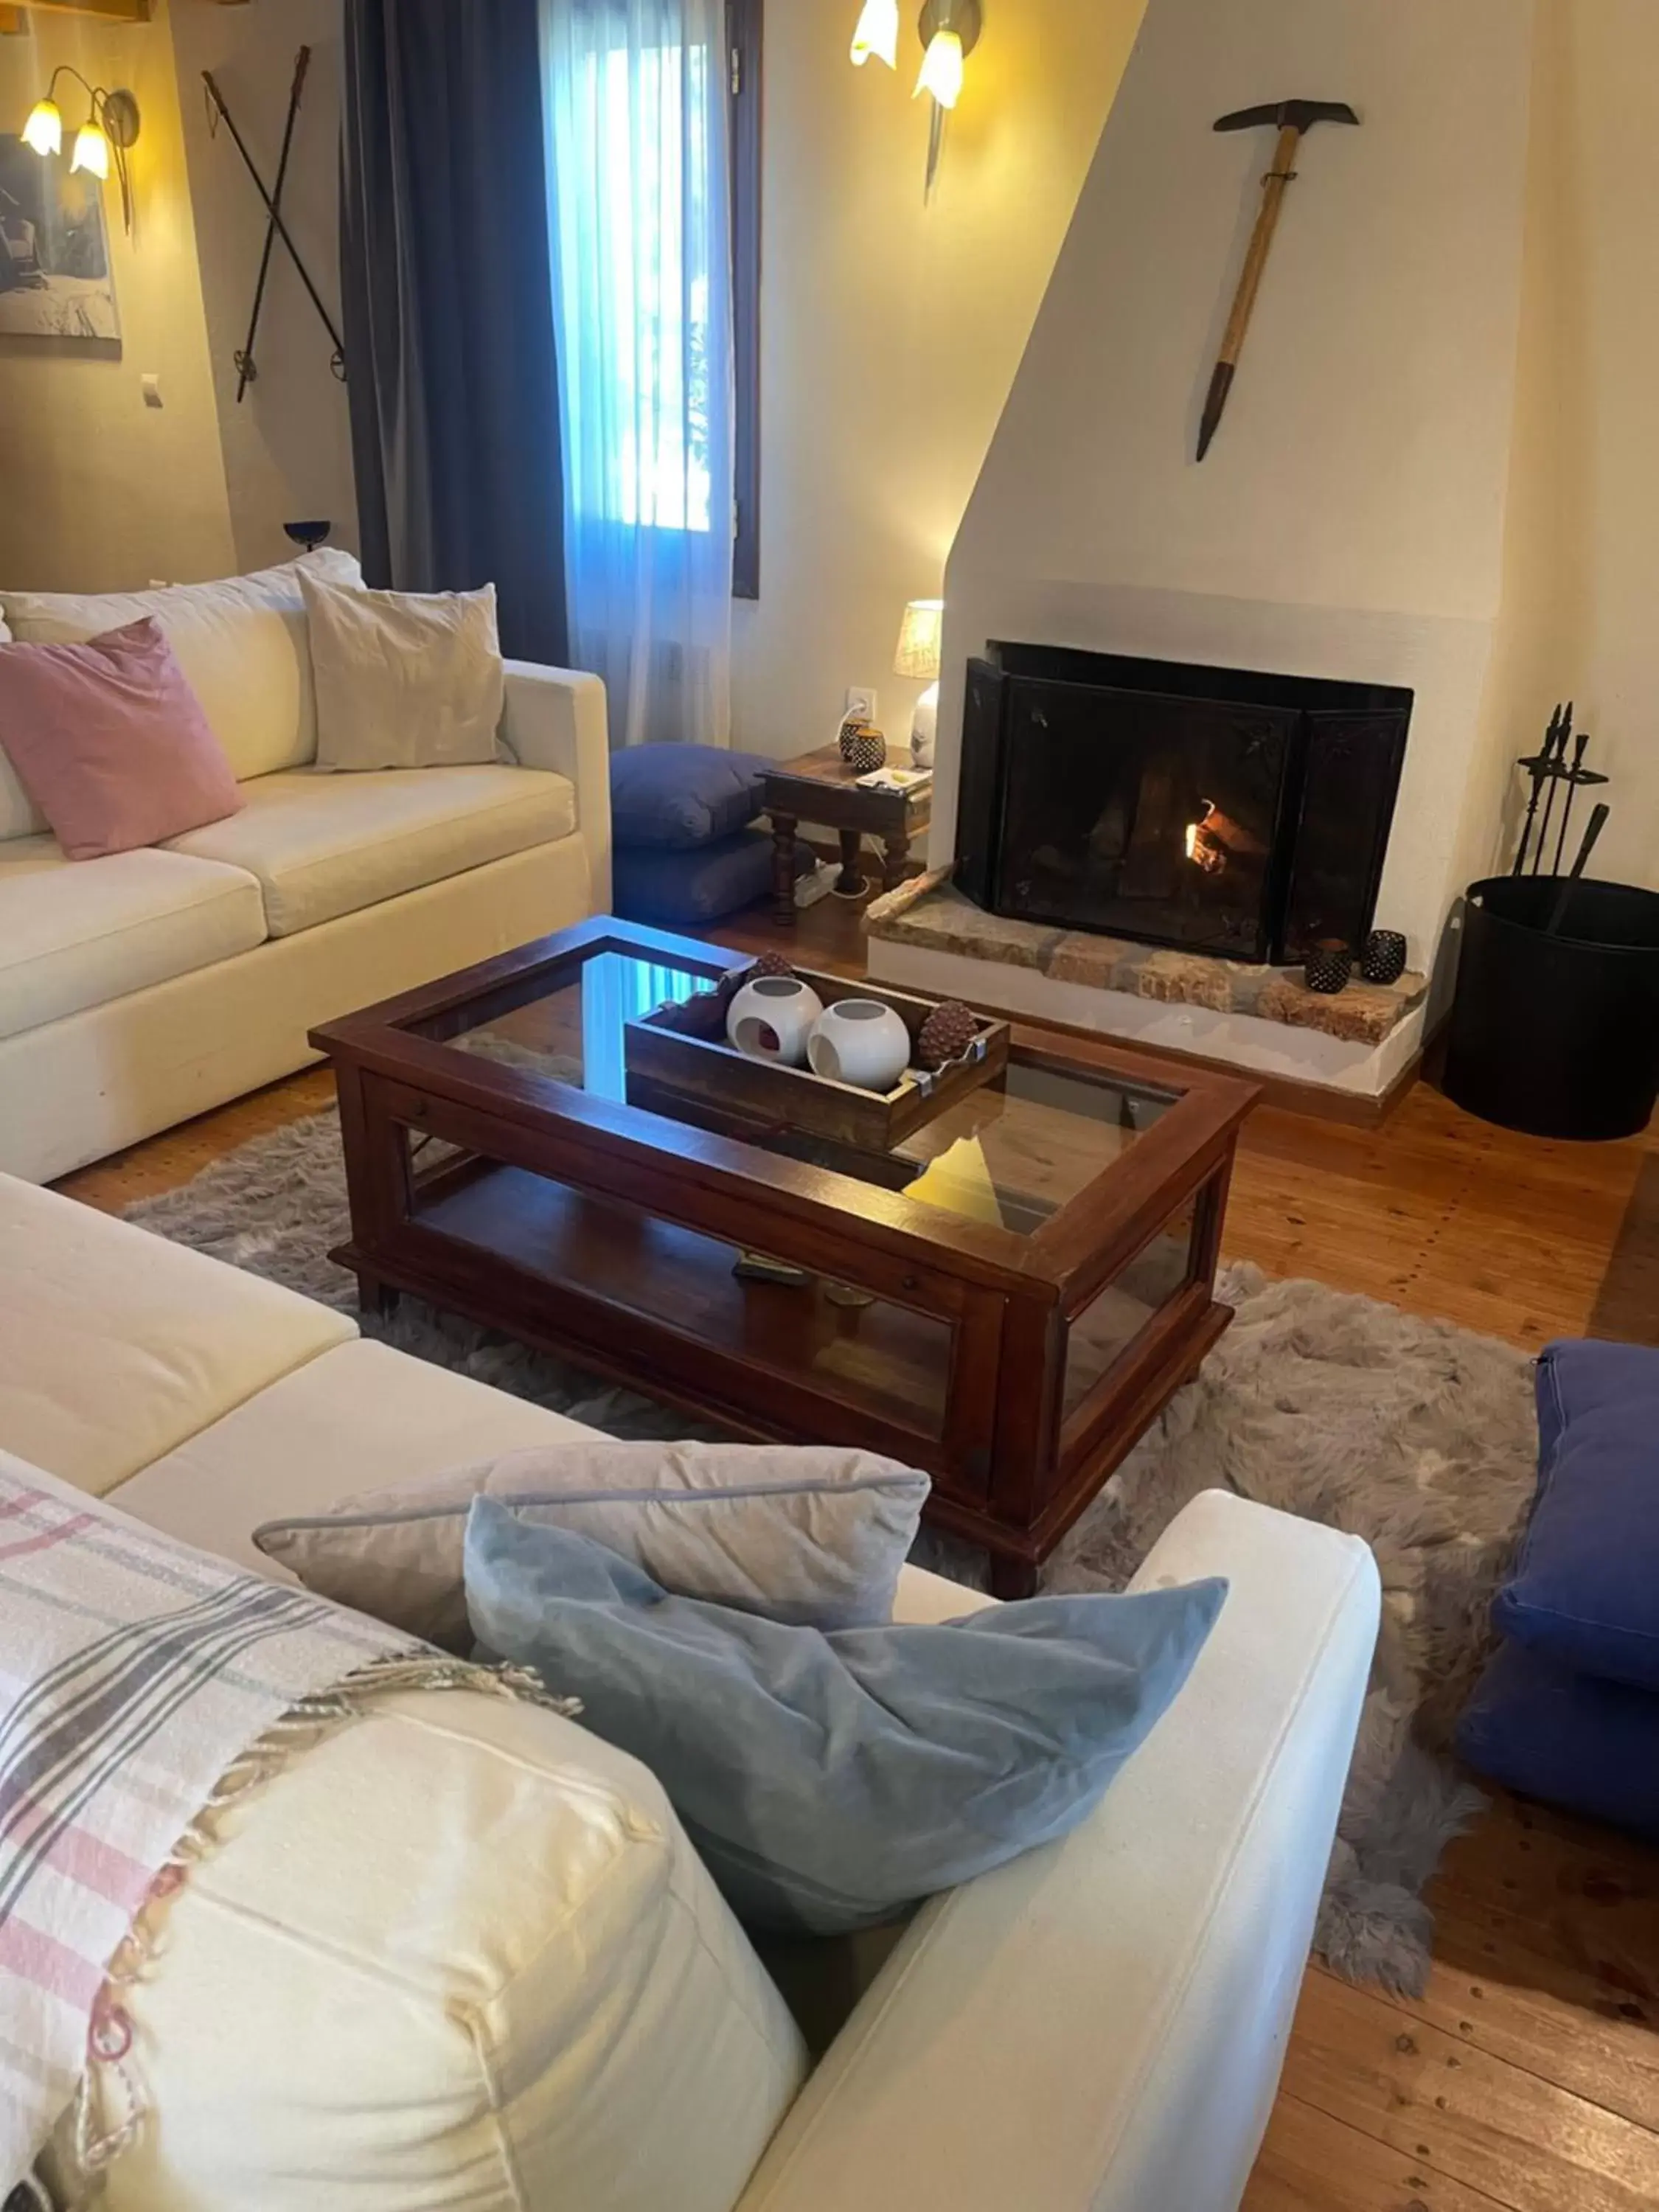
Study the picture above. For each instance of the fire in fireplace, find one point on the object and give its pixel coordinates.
(1220, 809)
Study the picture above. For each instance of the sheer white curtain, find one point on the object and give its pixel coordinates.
(642, 220)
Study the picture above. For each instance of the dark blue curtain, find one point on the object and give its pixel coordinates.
(448, 294)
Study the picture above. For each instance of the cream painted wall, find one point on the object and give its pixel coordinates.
(1350, 519)
(98, 491)
(1581, 592)
(892, 330)
(288, 444)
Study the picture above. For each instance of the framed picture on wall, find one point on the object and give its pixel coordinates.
(56, 281)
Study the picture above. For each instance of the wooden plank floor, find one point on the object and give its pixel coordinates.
(1525, 2079)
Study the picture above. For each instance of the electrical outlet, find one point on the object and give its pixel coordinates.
(860, 702)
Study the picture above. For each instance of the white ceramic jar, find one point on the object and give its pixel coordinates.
(772, 1018)
(861, 1042)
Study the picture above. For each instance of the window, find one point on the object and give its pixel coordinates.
(658, 240)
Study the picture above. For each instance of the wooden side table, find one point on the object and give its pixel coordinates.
(820, 788)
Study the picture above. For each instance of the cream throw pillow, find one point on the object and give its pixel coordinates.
(814, 1537)
(404, 679)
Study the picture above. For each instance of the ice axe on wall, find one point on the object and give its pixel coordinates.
(1294, 117)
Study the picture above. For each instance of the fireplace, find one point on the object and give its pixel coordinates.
(1222, 810)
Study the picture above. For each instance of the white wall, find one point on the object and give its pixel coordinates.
(1349, 519)
(1584, 605)
(97, 491)
(891, 330)
(288, 445)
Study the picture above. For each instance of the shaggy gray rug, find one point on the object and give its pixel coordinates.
(1417, 1436)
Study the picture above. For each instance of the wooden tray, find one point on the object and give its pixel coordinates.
(761, 1091)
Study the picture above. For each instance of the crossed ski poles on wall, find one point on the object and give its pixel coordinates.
(248, 369)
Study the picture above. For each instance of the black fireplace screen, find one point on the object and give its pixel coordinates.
(1220, 809)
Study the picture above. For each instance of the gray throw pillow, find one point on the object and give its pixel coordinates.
(831, 1781)
(815, 1535)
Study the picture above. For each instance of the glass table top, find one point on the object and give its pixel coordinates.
(1011, 1153)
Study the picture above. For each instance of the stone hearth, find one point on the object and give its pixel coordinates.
(925, 936)
(929, 912)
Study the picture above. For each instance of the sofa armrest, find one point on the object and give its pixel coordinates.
(1100, 2026)
(555, 719)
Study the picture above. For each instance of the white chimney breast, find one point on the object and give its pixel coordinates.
(1348, 520)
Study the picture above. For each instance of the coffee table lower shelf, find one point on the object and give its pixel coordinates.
(766, 1362)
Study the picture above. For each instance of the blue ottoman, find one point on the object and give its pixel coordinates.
(701, 884)
(1588, 1746)
(675, 798)
(1568, 1710)
(679, 821)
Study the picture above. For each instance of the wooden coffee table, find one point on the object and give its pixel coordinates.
(1012, 1324)
(820, 788)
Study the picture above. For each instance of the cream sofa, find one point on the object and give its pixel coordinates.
(139, 990)
(462, 1955)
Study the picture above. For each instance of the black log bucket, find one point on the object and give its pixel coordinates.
(1557, 1036)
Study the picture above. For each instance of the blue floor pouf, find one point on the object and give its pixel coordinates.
(1590, 1747)
(1568, 1710)
(691, 886)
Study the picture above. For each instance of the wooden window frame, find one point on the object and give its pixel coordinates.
(745, 40)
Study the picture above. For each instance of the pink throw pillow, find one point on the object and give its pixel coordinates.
(111, 743)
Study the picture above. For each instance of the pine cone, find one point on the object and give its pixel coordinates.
(703, 1015)
(769, 963)
(946, 1033)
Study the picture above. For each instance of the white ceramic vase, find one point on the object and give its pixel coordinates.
(861, 1042)
(772, 1018)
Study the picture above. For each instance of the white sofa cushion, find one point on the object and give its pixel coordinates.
(240, 641)
(19, 815)
(76, 933)
(115, 1345)
(323, 846)
(361, 1415)
(458, 1957)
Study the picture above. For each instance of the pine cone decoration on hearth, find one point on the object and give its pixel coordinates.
(946, 1033)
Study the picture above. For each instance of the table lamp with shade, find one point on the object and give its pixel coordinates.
(918, 657)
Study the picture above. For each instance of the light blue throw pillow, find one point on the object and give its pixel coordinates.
(832, 1780)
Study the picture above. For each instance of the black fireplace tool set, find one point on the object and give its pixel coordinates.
(1330, 966)
(1551, 775)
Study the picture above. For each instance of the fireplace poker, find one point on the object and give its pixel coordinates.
(1537, 766)
(1294, 119)
(1556, 770)
(1577, 777)
(247, 367)
(1563, 898)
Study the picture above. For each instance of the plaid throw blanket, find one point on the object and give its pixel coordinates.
(143, 1684)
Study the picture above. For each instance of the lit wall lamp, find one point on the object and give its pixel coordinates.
(950, 31)
(877, 34)
(100, 143)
